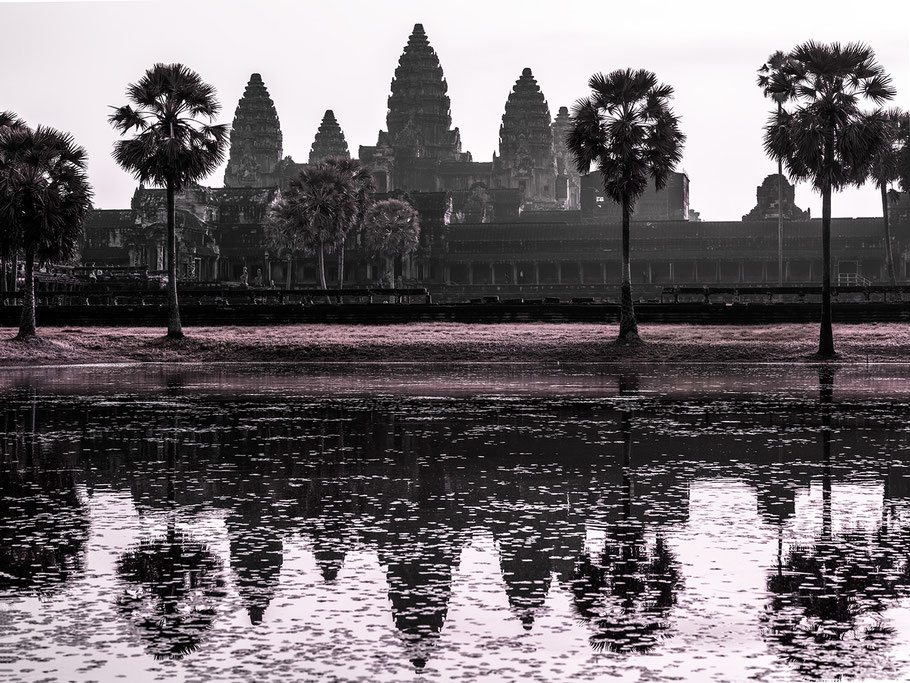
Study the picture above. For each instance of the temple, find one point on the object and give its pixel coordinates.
(329, 140)
(525, 223)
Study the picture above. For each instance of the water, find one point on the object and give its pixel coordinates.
(393, 523)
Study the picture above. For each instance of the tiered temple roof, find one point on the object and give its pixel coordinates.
(526, 154)
(419, 120)
(329, 140)
(255, 139)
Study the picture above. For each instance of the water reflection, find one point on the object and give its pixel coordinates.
(829, 596)
(626, 591)
(43, 522)
(585, 500)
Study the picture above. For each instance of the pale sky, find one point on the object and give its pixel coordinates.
(63, 64)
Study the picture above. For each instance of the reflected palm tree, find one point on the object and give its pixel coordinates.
(175, 583)
(627, 592)
(825, 614)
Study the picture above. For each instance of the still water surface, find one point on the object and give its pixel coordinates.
(393, 523)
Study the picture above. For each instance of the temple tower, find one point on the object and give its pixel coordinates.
(255, 140)
(329, 140)
(419, 120)
(568, 180)
(527, 158)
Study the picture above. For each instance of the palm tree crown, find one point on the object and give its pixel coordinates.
(827, 138)
(627, 129)
(172, 146)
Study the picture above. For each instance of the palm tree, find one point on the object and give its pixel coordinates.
(775, 65)
(886, 170)
(626, 128)
(826, 137)
(360, 178)
(284, 230)
(45, 198)
(7, 251)
(392, 229)
(173, 147)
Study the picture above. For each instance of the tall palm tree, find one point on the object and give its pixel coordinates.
(176, 144)
(886, 171)
(363, 186)
(825, 137)
(627, 129)
(775, 65)
(7, 251)
(45, 198)
(391, 229)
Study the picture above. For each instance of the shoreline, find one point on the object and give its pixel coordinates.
(414, 343)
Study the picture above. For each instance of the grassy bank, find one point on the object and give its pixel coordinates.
(451, 342)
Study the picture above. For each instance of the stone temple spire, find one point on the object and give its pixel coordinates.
(255, 139)
(329, 140)
(419, 120)
(527, 159)
(568, 180)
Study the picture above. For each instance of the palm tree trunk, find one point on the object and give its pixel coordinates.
(2, 274)
(341, 265)
(628, 327)
(27, 328)
(321, 253)
(174, 328)
(780, 214)
(889, 254)
(287, 276)
(826, 331)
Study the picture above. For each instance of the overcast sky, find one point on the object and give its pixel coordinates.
(62, 64)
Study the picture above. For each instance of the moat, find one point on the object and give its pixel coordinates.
(397, 522)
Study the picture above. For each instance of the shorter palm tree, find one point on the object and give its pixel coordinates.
(391, 229)
(885, 172)
(627, 129)
(45, 198)
(360, 179)
(285, 232)
(176, 144)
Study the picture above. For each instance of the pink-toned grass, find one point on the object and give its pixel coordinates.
(449, 342)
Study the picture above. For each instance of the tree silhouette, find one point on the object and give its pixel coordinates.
(392, 229)
(627, 129)
(176, 144)
(821, 133)
(45, 198)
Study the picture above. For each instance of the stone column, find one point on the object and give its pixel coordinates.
(650, 274)
(559, 272)
(536, 272)
(514, 273)
(470, 273)
(492, 273)
(603, 272)
(671, 271)
(742, 270)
